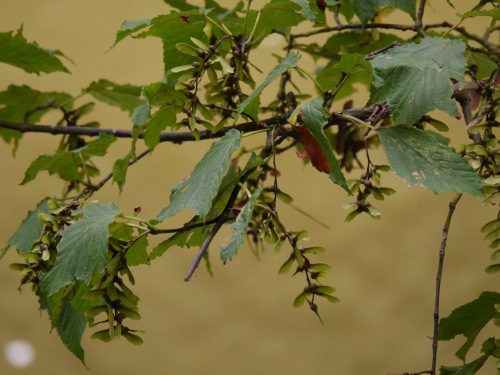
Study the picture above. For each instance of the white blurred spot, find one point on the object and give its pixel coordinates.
(19, 353)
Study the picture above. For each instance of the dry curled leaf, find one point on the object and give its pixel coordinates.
(312, 149)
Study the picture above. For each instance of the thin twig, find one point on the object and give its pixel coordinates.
(208, 240)
(442, 248)
(93, 188)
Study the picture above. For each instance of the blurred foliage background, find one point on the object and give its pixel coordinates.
(241, 321)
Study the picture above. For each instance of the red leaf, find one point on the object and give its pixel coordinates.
(313, 149)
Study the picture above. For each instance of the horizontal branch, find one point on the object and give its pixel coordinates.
(178, 137)
(120, 133)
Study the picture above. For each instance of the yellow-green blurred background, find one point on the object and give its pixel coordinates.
(241, 321)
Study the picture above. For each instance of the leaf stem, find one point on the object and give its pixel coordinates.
(316, 83)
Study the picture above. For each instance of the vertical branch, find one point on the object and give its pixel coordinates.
(420, 15)
(442, 248)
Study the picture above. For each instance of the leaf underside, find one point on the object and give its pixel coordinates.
(200, 188)
(422, 157)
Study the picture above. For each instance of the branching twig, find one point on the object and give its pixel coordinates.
(266, 151)
(442, 248)
(93, 188)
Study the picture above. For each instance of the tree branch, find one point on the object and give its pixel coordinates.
(119, 133)
(442, 248)
(179, 137)
(420, 15)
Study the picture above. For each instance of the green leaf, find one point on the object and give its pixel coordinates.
(300, 299)
(166, 116)
(174, 28)
(141, 114)
(306, 10)
(290, 61)
(485, 65)
(467, 369)
(414, 79)
(30, 230)
(137, 254)
(126, 97)
(357, 44)
(239, 228)
(422, 157)
(195, 236)
(366, 9)
(469, 320)
(120, 168)
(129, 27)
(70, 326)
(185, 238)
(201, 187)
(314, 118)
(352, 64)
(83, 248)
(15, 50)
(493, 13)
(67, 164)
(180, 4)
(16, 101)
(275, 15)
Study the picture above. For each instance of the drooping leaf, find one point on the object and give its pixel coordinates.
(422, 157)
(201, 187)
(365, 9)
(126, 97)
(290, 61)
(30, 230)
(312, 115)
(83, 248)
(120, 169)
(414, 79)
(67, 164)
(312, 149)
(15, 50)
(239, 228)
(71, 325)
(469, 320)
